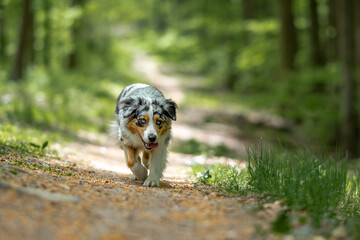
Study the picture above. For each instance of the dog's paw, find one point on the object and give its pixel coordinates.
(152, 182)
(140, 173)
(133, 177)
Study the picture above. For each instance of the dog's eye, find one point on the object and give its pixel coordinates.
(142, 121)
(158, 122)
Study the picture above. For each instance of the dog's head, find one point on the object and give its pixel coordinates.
(150, 119)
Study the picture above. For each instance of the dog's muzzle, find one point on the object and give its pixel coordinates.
(149, 146)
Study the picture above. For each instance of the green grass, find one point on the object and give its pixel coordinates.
(30, 148)
(306, 182)
(26, 140)
(319, 185)
(230, 179)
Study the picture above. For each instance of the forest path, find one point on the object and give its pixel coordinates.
(87, 193)
(190, 123)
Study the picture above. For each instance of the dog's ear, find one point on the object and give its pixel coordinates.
(170, 109)
(129, 106)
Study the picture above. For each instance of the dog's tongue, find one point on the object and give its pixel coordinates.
(151, 145)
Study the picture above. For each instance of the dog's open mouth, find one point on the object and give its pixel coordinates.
(150, 146)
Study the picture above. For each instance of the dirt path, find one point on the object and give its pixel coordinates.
(95, 204)
(73, 198)
(87, 194)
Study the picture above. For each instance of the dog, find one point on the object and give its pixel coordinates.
(143, 125)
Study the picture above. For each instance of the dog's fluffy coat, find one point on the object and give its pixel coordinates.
(143, 125)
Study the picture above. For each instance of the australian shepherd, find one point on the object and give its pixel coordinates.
(143, 125)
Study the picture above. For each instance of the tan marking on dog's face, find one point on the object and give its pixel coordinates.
(136, 126)
(132, 126)
(161, 128)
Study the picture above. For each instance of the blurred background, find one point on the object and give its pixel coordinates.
(283, 70)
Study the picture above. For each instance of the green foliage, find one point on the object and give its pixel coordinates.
(194, 147)
(235, 49)
(230, 179)
(305, 181)
(65, 101)
(78, 66)
(26, 141)
(282, 224)
(320, 185)
(240, 54)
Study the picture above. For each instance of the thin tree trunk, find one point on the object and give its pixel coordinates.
(349, 117)
(48, 33)
(3, 39)
(77, 36)
(25, 53)
(357, 36)
(288, 37)
(248, 9)
(317, 58)
(333, 41)
(159, 16)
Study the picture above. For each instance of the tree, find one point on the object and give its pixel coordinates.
(47, 33)
(25, 50)
(159, 17)
(357, 35)
(317, 58)
(248, 9)
(349, 117)
(288, 37)
(332, 52)
(2, 31)
(76, 35)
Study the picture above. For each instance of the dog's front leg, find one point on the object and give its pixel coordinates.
(139, 171)
(133, 162)
(157, 166)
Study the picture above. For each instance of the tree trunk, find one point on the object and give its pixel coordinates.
(317, 58)
(248, 9)
(159, 16)
(332, 52)
(73, 59)
(25, 52)
(357, 37)
(232, 73)
(48, 33)
(288, 38)
(3, 39)
(349, 118)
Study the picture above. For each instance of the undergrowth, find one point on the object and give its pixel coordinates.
(26, 140)
(194, 147)
(29, 148)
(231, 179)
(63, 100)
(320, 185)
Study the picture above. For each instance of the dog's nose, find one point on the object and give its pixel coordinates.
(152, 137)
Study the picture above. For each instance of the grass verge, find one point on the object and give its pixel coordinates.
(26, 140)
(29, 148)
(320, 186)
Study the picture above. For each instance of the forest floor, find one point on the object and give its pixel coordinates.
(86, 192)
